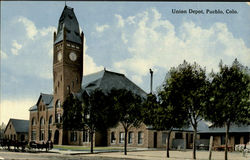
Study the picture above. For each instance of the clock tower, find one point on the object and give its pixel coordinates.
(67, 62)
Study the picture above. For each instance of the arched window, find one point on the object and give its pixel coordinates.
(50, 119)
(58, 118)
(68, 89)
(76, 80)
(42, 121)
(33, 122)
(58, 103)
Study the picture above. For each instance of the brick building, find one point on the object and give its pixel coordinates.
(17, 129)
(45, 121)
(46, 114)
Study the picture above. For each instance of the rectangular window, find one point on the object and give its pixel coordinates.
(222, 138)
(178, 136)
(121, 137)
(41, 135)
(50, 133)
(73, 136)
(33, 135)
(204, 136)
(68, 44)
(164, 137)
(140, 137)
(77, 47)
(130, 137)
(112, 137)
(85, 137)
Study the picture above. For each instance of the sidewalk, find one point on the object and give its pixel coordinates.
(149, 154)
(98, 150)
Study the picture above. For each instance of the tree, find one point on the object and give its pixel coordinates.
(99, 113)
(129, 107)
(229, 97)
(72, 114)
(164, 112)
(190, 85)
(93, 112)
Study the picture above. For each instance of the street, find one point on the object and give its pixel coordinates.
(132, 155)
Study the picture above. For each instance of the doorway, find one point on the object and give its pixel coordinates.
(56, 137)
(155, 139)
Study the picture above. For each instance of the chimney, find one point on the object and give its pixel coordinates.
(151, 80)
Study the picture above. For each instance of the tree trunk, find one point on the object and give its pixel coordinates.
(194, 142)
(167, 142)
(125, 141)
(210, 147)
(226, 140)
(91, 141)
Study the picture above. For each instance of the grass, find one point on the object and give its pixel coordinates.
(65, 147)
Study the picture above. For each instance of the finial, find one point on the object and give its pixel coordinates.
(104, 68)
(65, 4)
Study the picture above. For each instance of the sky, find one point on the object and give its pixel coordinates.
(124, 37)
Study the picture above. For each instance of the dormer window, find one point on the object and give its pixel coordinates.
(68, 30)
(77, 33)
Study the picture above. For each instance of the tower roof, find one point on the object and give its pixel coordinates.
(69, 22)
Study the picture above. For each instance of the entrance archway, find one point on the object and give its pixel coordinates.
(56, 137)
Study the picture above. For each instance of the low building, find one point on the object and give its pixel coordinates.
(147, 137)
(237, 135)
(17, 129)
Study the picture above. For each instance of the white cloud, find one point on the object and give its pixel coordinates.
(248, 3)
(120, 20)
(101, 28)
(30, 27)
(15, 47)
(90, 64)
(46, 31)
(37, 47)
(3, 55)
(15, 109)
(154, 42)
(124, 39)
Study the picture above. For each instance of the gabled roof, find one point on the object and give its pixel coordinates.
(232, 129)
(107, 80)
(47, 100)
(69, 22)
(20, 125)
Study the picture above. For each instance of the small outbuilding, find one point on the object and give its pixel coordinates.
(17, 129)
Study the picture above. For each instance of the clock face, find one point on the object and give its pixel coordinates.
(72, 56)
(59, 56)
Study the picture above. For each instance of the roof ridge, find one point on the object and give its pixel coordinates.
(46, 94)
(19, 119)
(114, 72)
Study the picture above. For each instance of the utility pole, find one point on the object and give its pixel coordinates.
(151, 80)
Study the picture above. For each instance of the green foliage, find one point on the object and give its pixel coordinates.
(99, 113)
(230, 95)
(129, 110)
(72, 114)
(128, 107)
(189, 85)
